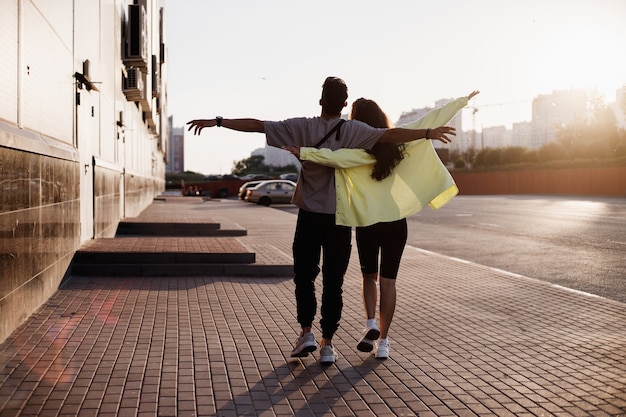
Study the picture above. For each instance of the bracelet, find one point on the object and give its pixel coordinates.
(218, 121)
(427, 133)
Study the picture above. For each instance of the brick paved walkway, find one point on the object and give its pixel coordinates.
(466, 341)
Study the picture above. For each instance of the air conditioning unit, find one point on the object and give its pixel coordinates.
(136, 40)
(133, 84)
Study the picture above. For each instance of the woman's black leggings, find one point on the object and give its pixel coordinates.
(389, 238)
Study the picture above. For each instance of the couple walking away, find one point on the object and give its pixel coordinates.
(334, 152)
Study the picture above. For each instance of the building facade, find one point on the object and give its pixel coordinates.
(550, 112)
(176, 149)
(495, 137)
(521, 134)
(83, 130)
(276, 157)
(619, 107)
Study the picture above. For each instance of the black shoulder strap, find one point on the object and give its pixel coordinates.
(337, 128)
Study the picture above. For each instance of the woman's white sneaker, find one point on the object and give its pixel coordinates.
(370, 334)
(382, 349)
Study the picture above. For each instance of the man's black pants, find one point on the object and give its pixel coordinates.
(317, 233)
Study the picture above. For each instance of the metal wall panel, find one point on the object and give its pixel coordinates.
(8, 63)
(58, 15)
(110, 69)
(48, 84)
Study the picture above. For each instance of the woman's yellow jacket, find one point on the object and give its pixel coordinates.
(420, 179)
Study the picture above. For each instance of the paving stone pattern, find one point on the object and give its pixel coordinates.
(466, 340)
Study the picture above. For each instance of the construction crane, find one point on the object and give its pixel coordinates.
(475, 109)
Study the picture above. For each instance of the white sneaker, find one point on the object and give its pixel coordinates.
(370, 334)
(328, 355)
(305, 344)
(382, 349)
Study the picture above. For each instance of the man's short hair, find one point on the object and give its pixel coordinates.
(334, 95)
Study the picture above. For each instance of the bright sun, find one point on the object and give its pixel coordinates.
(587, 59)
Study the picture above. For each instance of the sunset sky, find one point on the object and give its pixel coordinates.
(267, 59)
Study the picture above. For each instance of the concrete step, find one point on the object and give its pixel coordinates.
(162, 258)
(167, 229)
(182, 270)
(171, 256)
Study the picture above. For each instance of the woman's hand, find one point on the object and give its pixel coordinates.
(295, 150)
(472, 94)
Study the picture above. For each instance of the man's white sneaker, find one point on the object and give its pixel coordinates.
(305, 344)
(382, 349)
(370, 334)
(327, 355)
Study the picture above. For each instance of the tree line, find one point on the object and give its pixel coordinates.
(597, 141)
(252, 165)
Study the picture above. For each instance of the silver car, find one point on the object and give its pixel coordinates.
(243, 190)
(271, 192)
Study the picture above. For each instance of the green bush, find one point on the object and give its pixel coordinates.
(529, 156)
(512, 155)
(552, 152)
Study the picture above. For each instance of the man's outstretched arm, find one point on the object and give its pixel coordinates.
(242, 125)
(400, 135)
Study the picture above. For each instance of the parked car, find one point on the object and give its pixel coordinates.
(255, 177)
(271, 192)
(244, 188)
(291, 176)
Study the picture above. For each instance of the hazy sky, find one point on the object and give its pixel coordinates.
(267, 59)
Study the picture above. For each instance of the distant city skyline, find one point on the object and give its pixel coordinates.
(523, 133)
(495, 135)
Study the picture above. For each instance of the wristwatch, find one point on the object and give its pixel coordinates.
(218, 120)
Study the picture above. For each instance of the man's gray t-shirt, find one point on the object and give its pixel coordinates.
(316, 191)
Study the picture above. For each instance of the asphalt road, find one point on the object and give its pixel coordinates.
(575, 242)
(578, 243)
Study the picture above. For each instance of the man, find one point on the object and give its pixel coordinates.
(316, 232)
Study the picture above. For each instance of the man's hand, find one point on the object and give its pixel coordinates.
(199, 124)
(441, 133)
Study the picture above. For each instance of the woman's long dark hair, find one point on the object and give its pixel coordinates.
(388, 155)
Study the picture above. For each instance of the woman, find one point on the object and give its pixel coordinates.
(375, 193)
